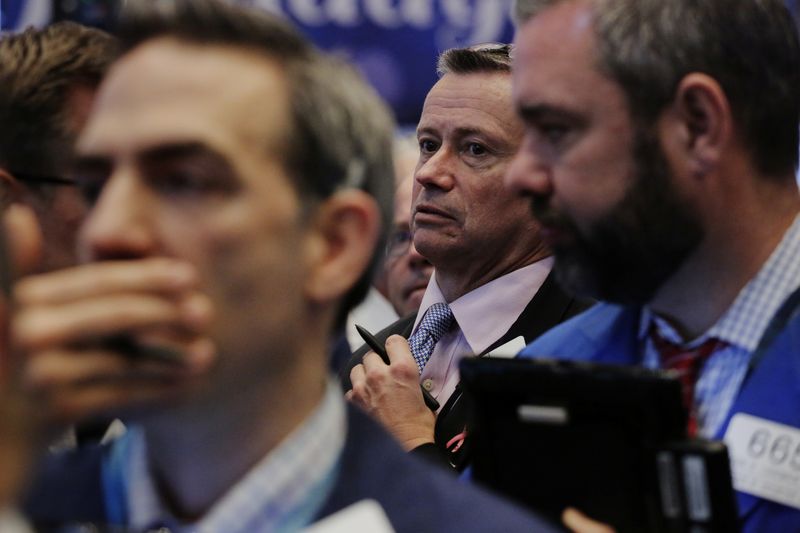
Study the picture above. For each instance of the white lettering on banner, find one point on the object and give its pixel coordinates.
(309, 12)
(765, 458)
(469, 23)
(343, 12)
(464, 21)
(456, 12)
(416, 13)
(488, 21)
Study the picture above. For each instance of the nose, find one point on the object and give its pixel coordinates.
(527, 174)
(119, 224)
(437, 171)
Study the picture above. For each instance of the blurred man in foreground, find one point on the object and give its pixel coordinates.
(659, 156)
(228, 236)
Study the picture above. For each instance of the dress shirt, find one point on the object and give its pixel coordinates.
(283, 492)
(741, 327)
(482, 317)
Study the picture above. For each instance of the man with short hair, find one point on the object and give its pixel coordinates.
(407, 272)
(659, 156)
(491, 284)
(236, 181)
(48, 79)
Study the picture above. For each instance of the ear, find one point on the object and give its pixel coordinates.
(11, 190)
(699, 124)
(345, 232)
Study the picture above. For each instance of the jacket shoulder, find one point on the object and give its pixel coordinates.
(68, 487)
(416, 496)
(586, 335)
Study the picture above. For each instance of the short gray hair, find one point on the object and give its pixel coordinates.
(490, 57)
(751, 49)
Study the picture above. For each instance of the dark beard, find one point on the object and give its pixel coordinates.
(630, 252)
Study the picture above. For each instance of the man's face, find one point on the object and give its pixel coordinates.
(407, 272)
(60, 208)
(182, 153)
(601, 187)
(462, 213)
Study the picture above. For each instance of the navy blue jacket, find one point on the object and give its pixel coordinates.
(416, 497)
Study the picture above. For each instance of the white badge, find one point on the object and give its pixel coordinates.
(366, 516)
(765, 458)
(508, 350)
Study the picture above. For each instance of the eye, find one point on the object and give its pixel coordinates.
(91, 190)
(181, 181)
(427, 146)
(553, 133)
(90, 182)
(189, 178)
(476, 149)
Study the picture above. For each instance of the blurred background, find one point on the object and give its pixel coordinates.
(393, 42)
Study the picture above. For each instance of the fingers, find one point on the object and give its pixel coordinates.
(398, 350)
(53, 369)
(36, 328)
(154, 275)
(580, 523)
(98, 338)
(359, 394)
(68, 405)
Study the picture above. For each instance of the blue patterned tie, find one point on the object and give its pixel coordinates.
(436, 322)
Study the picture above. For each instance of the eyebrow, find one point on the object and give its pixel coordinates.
(459, 132)
(182, 150)
(156, 155)
(537, 112)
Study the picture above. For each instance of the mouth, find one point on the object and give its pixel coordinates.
(554, 229)
(430, 214)
(417, 287)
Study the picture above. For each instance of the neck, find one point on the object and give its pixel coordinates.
(197, 454)
(731, 254)
(463, 276)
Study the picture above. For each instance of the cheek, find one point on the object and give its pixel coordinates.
(588, 186)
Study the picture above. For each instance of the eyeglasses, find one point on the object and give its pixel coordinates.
(398, 243)
(43, 179)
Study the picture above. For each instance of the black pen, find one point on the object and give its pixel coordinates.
(376, 347)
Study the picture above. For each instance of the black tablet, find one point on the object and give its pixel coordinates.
(552, 434)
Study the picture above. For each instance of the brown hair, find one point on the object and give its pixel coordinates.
(38, 69)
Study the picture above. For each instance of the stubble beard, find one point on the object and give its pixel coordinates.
(626, 255)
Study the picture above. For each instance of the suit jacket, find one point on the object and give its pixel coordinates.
(416, 498)
(608, 333)
(549, 307)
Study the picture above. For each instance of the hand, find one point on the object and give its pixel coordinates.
(64, 322)
(391, 394)
(19, 420)
(580, 523)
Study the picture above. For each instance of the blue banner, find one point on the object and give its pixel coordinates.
(393, 42)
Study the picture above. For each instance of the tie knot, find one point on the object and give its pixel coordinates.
(675, 356)
(437, 321)
(686, 363)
